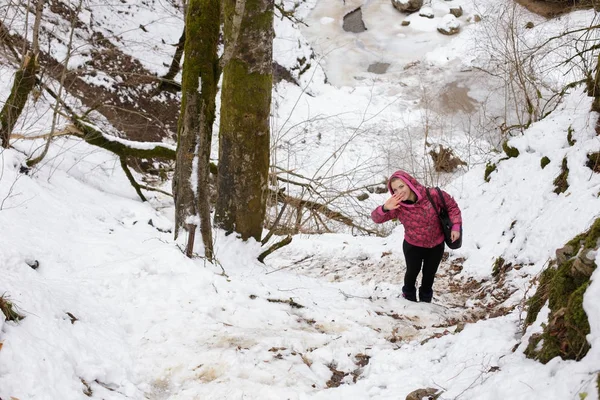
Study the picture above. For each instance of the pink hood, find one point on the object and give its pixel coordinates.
(412, 183)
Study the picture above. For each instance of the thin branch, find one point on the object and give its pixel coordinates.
(284, 242)
(129, 175)
(266, 238)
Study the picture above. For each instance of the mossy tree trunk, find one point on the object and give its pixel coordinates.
(25, 80)
(22, 86)
(594, 87)
(244, 132)
(199, 87)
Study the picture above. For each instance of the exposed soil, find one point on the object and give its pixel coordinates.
(456, 99)
(135, 106)
(462, 299)
(553, 9)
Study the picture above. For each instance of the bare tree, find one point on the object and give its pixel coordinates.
(55, 114)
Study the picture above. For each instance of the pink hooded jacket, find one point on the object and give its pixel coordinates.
(422, 226)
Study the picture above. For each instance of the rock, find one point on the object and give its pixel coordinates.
(449, 25)
(590, 257)
(405, 23)
(407, 6)
(564, 253)
(353, 21)
(581, 268)
(426, 12)
(362, 197)
(378, 68)
(457, 12)
(420, 394)
(34, 264)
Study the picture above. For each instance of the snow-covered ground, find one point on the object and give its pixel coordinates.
(116, 311)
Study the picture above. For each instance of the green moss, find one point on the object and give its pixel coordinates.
(575, 243)
(489, 168)
(511, 152)
(550, 348)
(577, 323)
(570, 139)
(537, 301)
(244, 131)
(23, 84)
(531, 350)
(564, 288)
(592, 236)
(544, 161)
(561, 183)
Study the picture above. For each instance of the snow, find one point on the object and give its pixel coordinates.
(117, 309)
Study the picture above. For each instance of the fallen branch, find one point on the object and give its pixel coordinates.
(274, 247)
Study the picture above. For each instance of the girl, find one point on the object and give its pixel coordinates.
(423, 236)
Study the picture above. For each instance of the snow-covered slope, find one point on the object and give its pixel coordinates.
(115, 311)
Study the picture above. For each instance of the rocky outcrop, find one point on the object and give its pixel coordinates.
(562, 287)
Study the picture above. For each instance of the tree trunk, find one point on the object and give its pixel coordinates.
(22, 85)
(175, 64)
(245, 109)
(594, 87)
(200, 70)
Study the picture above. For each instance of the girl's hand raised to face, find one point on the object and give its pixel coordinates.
(393, 202)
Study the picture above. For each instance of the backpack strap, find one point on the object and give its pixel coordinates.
(431, 200)
(441, 197)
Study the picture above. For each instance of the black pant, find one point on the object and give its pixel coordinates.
(429, 259)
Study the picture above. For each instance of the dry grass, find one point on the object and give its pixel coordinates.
(8, 309)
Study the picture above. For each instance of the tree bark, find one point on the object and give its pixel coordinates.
(200, 71)
(594, 87)
(167, 81)
(23, 84)
(244, 133)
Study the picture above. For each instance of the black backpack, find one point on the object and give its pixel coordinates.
(445, 221)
